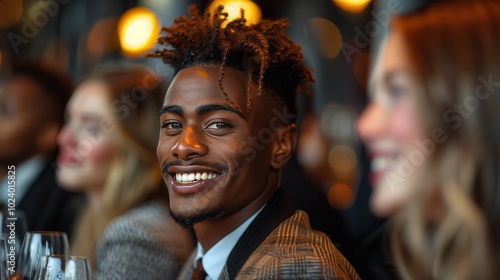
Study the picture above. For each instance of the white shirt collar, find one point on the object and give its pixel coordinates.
(26, 174)
(215, 258)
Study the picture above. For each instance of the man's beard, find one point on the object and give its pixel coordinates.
(190, 221)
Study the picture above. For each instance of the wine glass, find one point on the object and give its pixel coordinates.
(57, 267)
(51, 267)
(78, 268)
(4, 258)
(37, 244)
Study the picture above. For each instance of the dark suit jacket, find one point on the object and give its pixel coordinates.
(47, 206)
(280, 244)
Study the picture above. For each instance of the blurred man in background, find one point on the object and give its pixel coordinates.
(32, 102)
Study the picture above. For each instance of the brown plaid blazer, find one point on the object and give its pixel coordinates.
(280, 244)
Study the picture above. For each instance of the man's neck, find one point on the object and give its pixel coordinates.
(210, 232)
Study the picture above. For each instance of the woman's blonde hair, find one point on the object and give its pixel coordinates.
(454, 48)
(135, 96)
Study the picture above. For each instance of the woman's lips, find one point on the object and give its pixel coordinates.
(381, 166)
(66, 158)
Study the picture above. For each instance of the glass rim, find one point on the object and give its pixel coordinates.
(47, 232)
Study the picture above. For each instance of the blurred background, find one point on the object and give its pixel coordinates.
(328, 176)
(77, 35)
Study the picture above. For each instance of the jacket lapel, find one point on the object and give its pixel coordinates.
(277, 209)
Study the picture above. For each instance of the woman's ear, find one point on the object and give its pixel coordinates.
(285, 141)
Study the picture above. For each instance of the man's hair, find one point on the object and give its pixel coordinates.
(263, 50)
(53, 84)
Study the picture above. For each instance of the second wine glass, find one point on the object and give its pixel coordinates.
(60, 267)
(37, 244)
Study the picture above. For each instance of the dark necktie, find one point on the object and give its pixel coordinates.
(199, 273)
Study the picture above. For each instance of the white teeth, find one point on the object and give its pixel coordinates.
(379, 163)
(192, 177)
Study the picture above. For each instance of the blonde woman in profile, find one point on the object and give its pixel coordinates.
(107, 151)
(431, 130)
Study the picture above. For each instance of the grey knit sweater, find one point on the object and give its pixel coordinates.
(144, 243)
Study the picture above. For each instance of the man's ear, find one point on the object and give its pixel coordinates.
(285, 141)
(47, 137)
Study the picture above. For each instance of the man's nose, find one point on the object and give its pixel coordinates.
(189, 145)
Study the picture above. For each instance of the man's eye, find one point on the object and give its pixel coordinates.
(218, 125)
(171, 125)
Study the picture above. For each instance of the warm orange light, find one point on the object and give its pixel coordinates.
(327, 35)
(352, 6)
(340, 196)
(138, 30)
(342, 160)
(361, 68)
(233, 7)
(10, 13)
(103, 37)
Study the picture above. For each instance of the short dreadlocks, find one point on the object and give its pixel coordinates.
(263, 50)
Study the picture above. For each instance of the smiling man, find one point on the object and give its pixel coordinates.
(226, 131)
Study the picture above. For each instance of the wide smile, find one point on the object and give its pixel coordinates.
(187, 178)
(382, 165)
(191, 179)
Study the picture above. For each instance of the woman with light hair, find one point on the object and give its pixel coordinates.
(107, 151)
(435, 145)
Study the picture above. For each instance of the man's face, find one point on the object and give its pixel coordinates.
(21, 119)
(215, 158)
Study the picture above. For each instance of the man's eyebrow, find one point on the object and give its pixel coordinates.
(176, 109)
(205, 109)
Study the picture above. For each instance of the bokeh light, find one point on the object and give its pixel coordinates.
(103, 37)
(57, 51)
(10, 13)
(352, 6)
(311, 147)
(233, 7)
(138, 30)
(361, 68)
(342, 160)
(339, 122)
(327, 35)
(340, 196)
